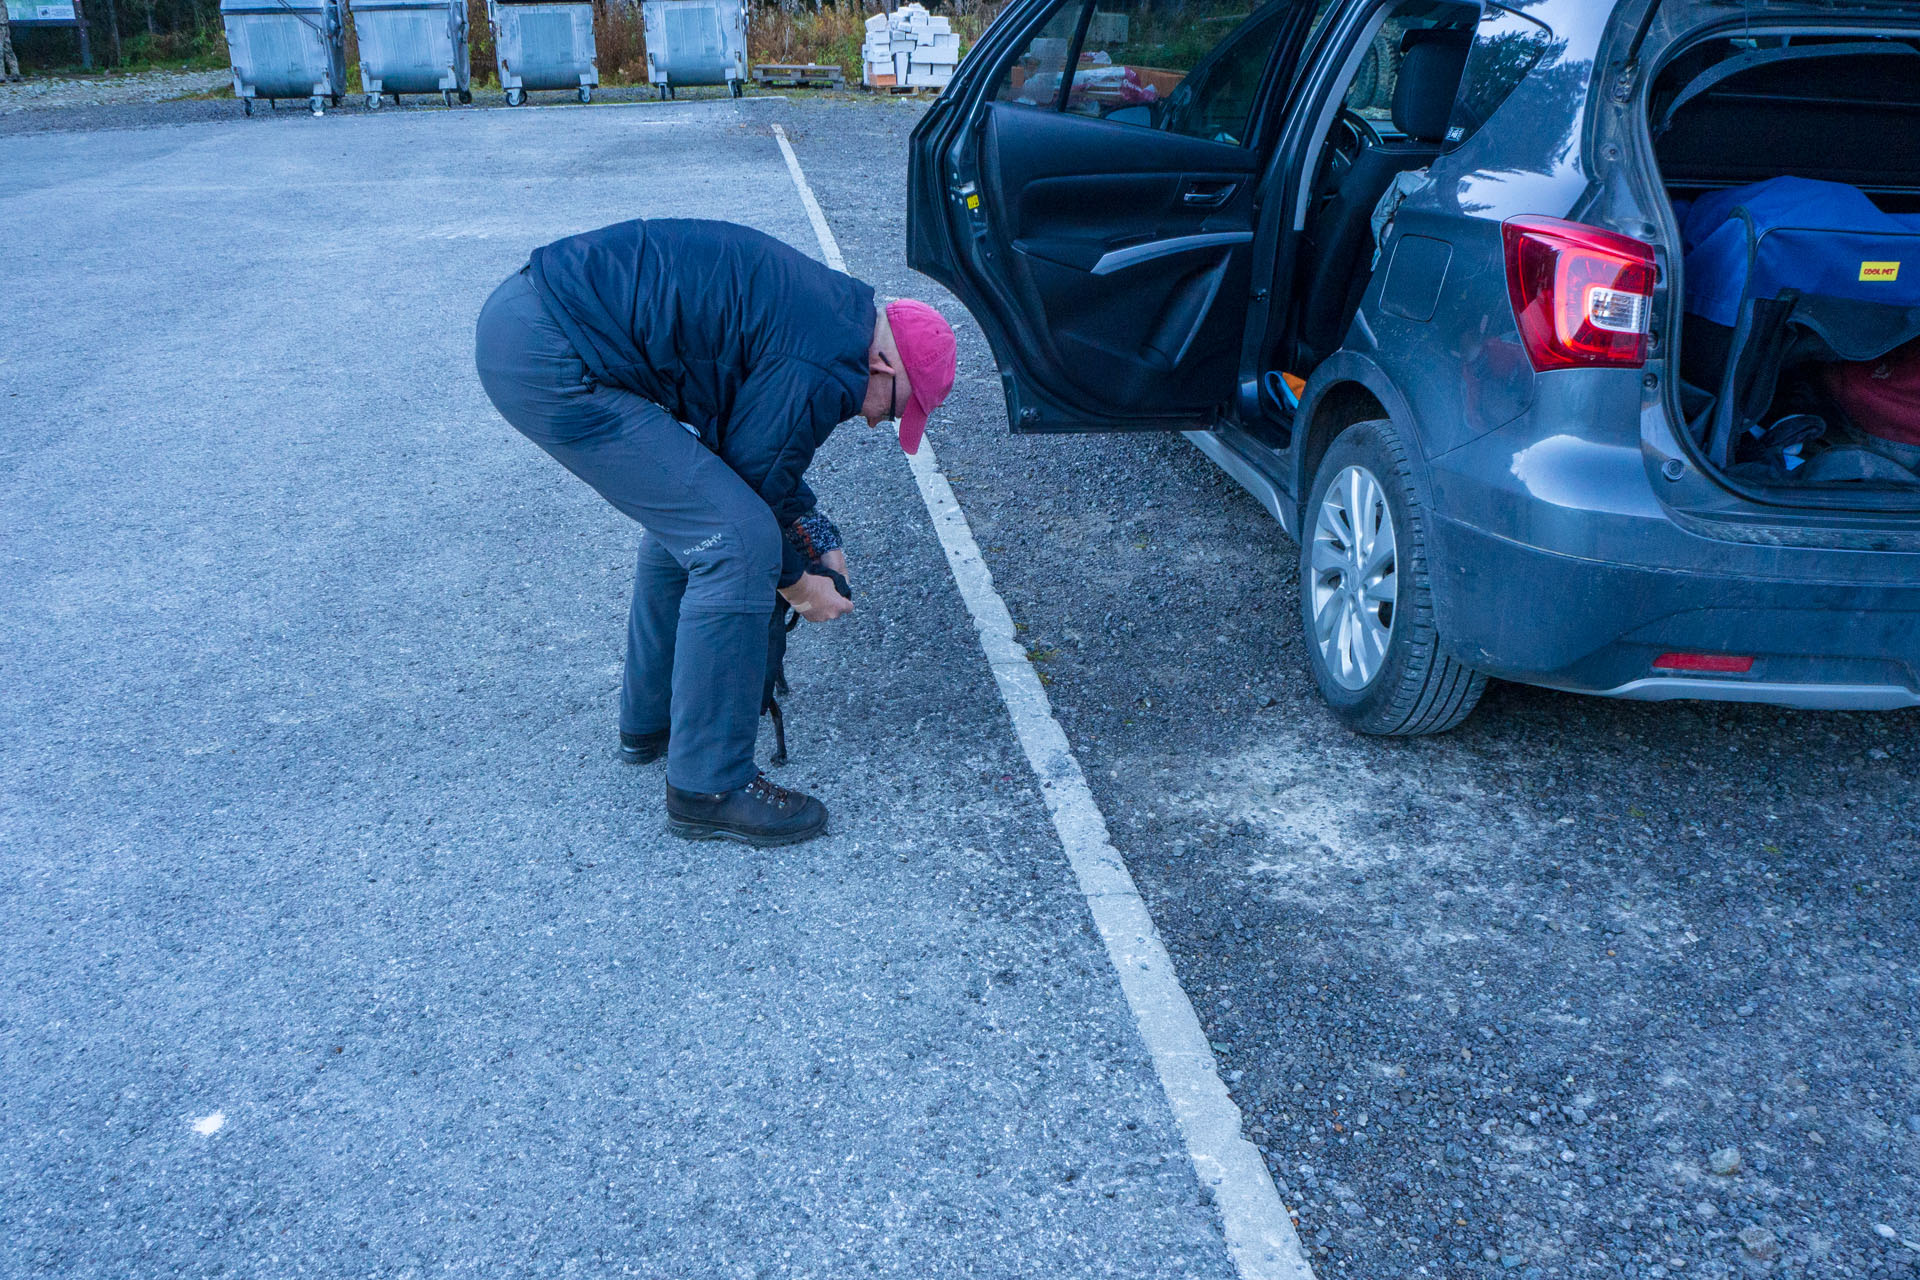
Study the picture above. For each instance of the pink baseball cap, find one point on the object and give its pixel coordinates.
(927, 347)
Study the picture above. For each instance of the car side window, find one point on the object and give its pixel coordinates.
(1185, 66)
(1506, 47)
(1181, 66)
(1216, 99)
(1033, 79)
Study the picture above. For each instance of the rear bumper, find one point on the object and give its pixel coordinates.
(1555, 564)
(1529, 614)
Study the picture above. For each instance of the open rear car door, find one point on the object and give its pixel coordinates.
(1087, 186)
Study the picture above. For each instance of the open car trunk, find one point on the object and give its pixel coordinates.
(1793, 165)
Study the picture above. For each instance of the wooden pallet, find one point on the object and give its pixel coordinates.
(799, 75)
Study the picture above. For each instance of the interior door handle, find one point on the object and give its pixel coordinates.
(1134, 254)
(1208, 195)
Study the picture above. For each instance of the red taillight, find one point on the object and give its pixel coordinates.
(1720, 663)
(1583, 296)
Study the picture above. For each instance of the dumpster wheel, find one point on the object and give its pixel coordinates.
(735, 86)
(447, 97)
(247, 103)
(373, 101)
(317, 104)
(586, 93)
(466, 97)
(516, 97)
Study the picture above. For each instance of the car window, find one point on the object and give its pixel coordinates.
(1183, 66)
(1370, 96)
(1216, 98)
(1033, 79)
(1506, 47)
(1190, 67)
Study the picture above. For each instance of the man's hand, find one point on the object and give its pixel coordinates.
(836, 560)
(816, 599)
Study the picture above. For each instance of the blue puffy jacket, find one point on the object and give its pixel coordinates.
(758, 347)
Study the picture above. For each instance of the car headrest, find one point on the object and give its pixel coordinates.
(1431, 63)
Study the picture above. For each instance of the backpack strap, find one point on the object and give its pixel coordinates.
(1753, 372)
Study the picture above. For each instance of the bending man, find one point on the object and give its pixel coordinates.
(688, 371)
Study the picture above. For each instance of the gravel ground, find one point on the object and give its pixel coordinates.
(147, 88)
(336, 941)
(1492, 1001)
(101, 103)
(1499, 1003)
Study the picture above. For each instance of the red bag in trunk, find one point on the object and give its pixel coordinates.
(1882, 396)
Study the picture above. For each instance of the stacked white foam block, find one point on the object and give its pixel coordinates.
(910, 49)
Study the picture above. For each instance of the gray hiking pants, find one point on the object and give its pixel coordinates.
(703, 591)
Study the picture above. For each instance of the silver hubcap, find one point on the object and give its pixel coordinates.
(1351, 579)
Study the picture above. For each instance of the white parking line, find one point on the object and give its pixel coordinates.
(1260, 1235)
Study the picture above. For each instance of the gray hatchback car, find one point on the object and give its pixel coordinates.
(1411, 273)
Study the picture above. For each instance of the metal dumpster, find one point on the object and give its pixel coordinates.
(286, 49)
(696, 42)
(546, 44)
(412, 46)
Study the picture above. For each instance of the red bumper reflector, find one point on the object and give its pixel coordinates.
(1722, 663)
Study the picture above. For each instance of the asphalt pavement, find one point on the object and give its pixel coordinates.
(338, 942)
(339, 945)
(1492, 1002)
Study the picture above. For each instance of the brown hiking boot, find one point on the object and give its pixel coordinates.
(759, 814)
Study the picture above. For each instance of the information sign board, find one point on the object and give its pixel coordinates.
(41, 13)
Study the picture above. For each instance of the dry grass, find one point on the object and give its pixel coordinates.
(479, 43)
(620, 42)
(829, 35)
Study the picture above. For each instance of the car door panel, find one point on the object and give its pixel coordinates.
(1107, 259)
(1119, 271)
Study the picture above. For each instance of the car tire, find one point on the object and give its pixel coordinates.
(1373, 646)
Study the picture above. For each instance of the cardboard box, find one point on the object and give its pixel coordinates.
(909, 48)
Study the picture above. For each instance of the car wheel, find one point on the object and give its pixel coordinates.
(1366, 594)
